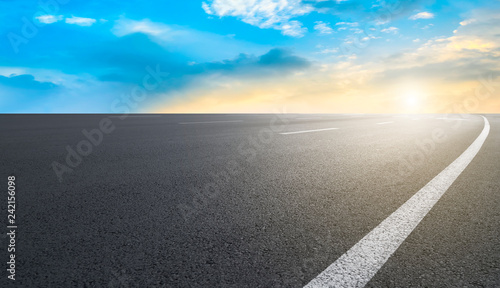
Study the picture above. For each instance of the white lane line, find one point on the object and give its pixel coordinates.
(382, 123)
(310, 118)
(308, 131)
(358, 265)
(210, 122)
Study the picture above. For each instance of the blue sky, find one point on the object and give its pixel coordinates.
(246, 56)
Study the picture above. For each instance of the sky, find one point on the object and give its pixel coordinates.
(249, 56)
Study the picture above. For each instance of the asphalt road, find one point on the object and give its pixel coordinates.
(244, 200)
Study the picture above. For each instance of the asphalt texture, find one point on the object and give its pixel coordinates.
(228, 201)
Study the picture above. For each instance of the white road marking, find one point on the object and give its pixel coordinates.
(210, 122)
(310, 118)
(358, 265)
(308, 131)
(382, 123)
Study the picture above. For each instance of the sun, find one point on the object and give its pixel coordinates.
(412, 99)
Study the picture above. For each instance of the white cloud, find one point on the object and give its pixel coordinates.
(469, 43)
(443, 69)
(293, 28)
(206, 8)
(263, 13)
(81, 21)
(467, 22)
(49, 19)
(390, 30)
(204, 46)
(329, 51)
(422, 15)
(352, 24)
(323, 28)
(125, 27)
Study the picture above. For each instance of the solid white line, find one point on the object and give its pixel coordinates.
(308, 131)
(210, 122)
(358, 265)
(382, 123)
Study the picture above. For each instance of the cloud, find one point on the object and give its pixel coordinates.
(293, 28)
(469, 42)
(467, 22)
(201, 46)
(329, 51)
(80, 21)
(124, 59)
(206, 8)
(281, 58)
(352, 24)
(277, 61)
(443, 70)
(335, 88)
(449, 66)
(390, 30)
(25, 81)
(364, 11)
(137, 51)
(323, 28)
(198, 80)
(49, 19)
(264, 14)
(422, 15)
(145, 43)
(125, 26)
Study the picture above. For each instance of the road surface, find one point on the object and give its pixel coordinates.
(252, 200)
